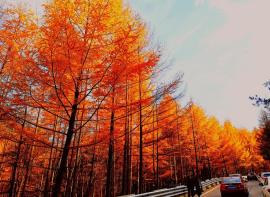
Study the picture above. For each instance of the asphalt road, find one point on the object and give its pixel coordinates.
(253, 188)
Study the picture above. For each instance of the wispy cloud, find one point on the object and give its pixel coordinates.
(187, 35)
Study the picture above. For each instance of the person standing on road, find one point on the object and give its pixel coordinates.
(190, 185)
(198, 186)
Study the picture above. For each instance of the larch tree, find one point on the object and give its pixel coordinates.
(81, 112)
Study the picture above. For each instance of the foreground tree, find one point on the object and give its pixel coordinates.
(264, 101)
(80, 114)
(263, 136)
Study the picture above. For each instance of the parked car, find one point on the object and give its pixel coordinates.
(244, 177)
(266, 187)
(232, 175)
(233, 186)
(251, 176)
(264, 175)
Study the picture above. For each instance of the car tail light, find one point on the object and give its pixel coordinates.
(240, 186)
(222, 187)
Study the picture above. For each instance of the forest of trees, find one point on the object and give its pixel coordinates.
(263, 136)
(82, 114)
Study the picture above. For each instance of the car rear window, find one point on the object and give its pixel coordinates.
(234, 175)
(227, 180)
(266, 174)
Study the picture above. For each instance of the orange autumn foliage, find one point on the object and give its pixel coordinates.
(80, 113)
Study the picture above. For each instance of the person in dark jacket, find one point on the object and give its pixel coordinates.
(190, 186)
(198, 186)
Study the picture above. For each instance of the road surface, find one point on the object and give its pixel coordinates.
(253, 188)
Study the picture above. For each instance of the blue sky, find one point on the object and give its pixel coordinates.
(221, 46)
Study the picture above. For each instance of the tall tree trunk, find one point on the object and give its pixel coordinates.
(47, 176)
(208, 160)
(74, 177)
(209, 168)
(224, 164)
(2, 159)
(13, 183)
(157, 152)
(153, 143)
(141, 138)
(194, 144)
(56, 160)
(175, 168)
(125, 173)
(89, 184)
(110, 165)
(70, 170)
(180, 151)
(130, 153)
(64, 157)
(29, 163)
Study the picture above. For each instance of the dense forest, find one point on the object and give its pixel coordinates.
(82, 113)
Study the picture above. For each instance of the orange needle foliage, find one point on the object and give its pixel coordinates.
(80, 114)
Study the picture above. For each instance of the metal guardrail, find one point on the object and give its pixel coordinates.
(180, 190)
(260, 179)
(210, 183)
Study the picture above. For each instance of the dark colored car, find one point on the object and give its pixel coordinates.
(264, 176)
(232, 175)
(233, 186)
(251, 176)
